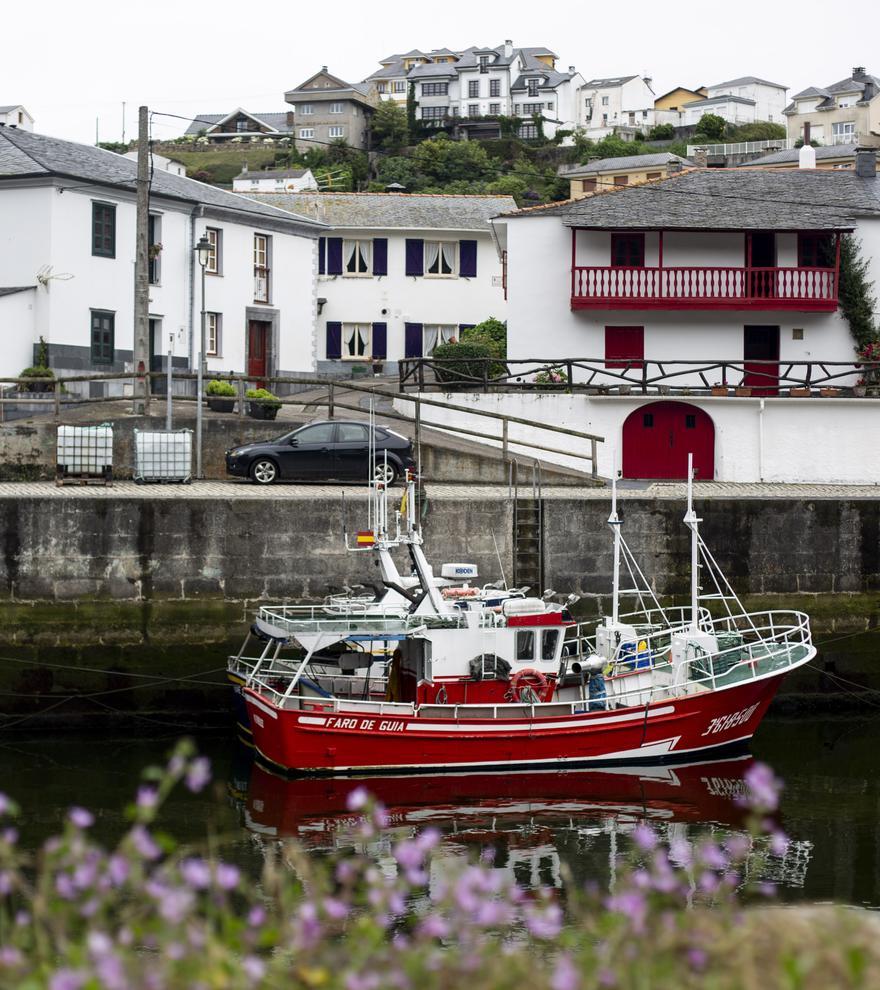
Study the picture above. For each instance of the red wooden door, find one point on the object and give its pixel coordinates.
(658, 437)
(258, 351)
(760, 346)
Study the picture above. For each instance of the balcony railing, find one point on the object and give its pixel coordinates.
(261, 284)
(692, 287)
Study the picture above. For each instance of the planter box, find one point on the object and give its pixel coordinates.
(262, 410)
(829, 393)
(859, 391)
(720, 390)
(744, 391)
(800, 393)
(221, 403)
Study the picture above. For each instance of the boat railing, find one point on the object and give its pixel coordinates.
(366, 621)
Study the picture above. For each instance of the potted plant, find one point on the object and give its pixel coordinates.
(800, 392)
(37, 371)
(719, 389)
(829, 393)
(551, 376)
(262, 404)
(860, 389)
(744, 390)
(221, 396)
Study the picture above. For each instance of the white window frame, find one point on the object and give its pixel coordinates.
(399, 86)
(357, 247)
(213, 334)
(262, 261)
(604, 101)
(533, 87)
(843, 131)
(473, 89)
(307, 109)
(442, 259)
(494, 109)
(336, 108)
(349, 336)
(439, 333)
(380, 87)
(473, 110)
(336, 131)
(306, 133)
(215, 253)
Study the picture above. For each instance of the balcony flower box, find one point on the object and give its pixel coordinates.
(829, 393)
(744, 391)
(720, 390)
(800, 393)
(859, 391)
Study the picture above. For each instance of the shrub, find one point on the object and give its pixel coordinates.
(710, 125)
(551, 376)
(263, 396)
(468, 362)
(490, 332)
(661, 132)
(37, 371)
(219, 387)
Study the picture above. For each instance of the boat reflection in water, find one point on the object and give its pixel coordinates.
(533, 821)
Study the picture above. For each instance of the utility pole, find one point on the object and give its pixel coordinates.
(142, 271)
(123, 121)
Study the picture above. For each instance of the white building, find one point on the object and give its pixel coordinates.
(484, 82)
(651, 297)
(15, 115)
(400, 273)
(606, 105)
(160, 162)
(67, 245)
(746, 100)
(275, 180)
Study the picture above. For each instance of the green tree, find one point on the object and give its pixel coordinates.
(404, 171)
(760, 131)
(661, 132)
(390, 127)
(712, 126)
(491, 333)
(857, 302)
(442, 161)
(412, 124)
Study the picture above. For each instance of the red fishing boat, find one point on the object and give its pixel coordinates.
(520, 684)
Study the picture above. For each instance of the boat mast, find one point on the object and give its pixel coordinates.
(693, 524)
(614, 523)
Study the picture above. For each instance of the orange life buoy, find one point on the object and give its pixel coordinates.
(528, 680)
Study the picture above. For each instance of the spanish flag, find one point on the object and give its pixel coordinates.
(366, 538)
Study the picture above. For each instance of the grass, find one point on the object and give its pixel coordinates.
(223, 164)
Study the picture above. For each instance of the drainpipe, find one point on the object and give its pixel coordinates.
(197, 211)
(761, 441)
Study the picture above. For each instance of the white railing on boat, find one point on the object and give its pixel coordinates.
(366, 620)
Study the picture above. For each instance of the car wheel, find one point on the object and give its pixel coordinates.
(264, 471)
(386, 472)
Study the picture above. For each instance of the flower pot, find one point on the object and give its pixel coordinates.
(744, 390)
(624, 390)
(262, 410)
(859, 391)
(829, 393)
(220, 403)
(799, 393)
(664, 389)
(720, 390)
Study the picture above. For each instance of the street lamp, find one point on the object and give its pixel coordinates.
(203, 253)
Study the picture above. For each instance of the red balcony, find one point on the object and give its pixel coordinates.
(693, 287)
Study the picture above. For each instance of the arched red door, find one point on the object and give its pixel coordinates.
(658, 437)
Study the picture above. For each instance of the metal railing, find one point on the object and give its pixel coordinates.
(624, 376)
(743, 147)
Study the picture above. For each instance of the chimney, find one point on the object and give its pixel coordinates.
(807, 157)
(866, 163)
(673, 167)
(858, 72)
(508, 48)
(571, 69)
(323, 68)
(807, 132)
(701, 157)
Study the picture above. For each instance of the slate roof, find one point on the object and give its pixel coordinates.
(277, 120)
(25, 154)
(468, 58)
(12, 106)
(273, 173)
(433, 70)
(550, 79)
(727, 199)
(849, 85)
(403, 211)
(12, 289)
(605, 83)
(747, 81)
(622, 164)
(792, 155)
(811, 91)
(727, 98)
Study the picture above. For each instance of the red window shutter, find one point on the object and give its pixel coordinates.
(628, 250)
(624, 347)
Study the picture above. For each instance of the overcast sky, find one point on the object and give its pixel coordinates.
(73, 63)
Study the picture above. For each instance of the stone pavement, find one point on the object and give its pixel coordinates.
(244, 490)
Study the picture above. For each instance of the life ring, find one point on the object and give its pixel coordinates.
(528, 684)
(460, 592)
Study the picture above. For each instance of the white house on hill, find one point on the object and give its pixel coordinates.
(15, 115)
(67, 247)
(400, 273)
(275, 180)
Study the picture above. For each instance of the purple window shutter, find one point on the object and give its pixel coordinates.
(322, 255)
(380, 340)
(415, 260)
(467, 259)
(334, 340)
(380, 255)
(334, 255)
(412, 339)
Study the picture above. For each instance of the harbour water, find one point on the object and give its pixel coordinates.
(547, 828)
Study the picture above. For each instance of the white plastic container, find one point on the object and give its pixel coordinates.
(163, 455)
(459, 572)
(85, 451)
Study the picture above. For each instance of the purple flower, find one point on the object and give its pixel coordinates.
(709, 882)
(10, 956)
(256, 916)
(5, 883)
(767, 889)
(99, 943)
(144, 843)
(67, 979)
(632, 905)
(335, 909)
(82, 819)
(644, 837)
(409, 854)
(254, 968)
(565, 975)
(737, 847)
(545, 924)
(357, 799)
(434, 927)
(10, 836)
(117, 870)
(111, 973)
(175, 905)
(712, 856)
(196, 873)
(362, 981)
(763, 788)
(147, 797)
(227, 876)
(65, 887)
(199, 774)
(697, 959)
(6, 805)
(778, 843)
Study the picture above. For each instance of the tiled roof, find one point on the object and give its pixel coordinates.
(405, 211)
(622, 164)
(23, 153)
(728, 199)
(747, 81)
(824, 153)
(278, 121)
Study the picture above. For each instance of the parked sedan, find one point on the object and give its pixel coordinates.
(319, 451)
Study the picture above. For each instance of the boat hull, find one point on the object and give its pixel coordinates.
(302, 742)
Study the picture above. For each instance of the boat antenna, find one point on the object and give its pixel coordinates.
(614, 523)
(693, 524)
(500, 565)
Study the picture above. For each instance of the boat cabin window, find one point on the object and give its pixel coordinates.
(548, 647)
(525, 645)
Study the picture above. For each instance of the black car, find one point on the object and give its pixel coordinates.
(337, 449)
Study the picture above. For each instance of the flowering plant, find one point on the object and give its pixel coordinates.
(551, 376)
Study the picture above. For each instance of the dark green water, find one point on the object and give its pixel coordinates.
(538, 824)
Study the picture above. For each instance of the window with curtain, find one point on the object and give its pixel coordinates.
(357, 257)
(356, 342)
(437, 333)
(440, 258)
